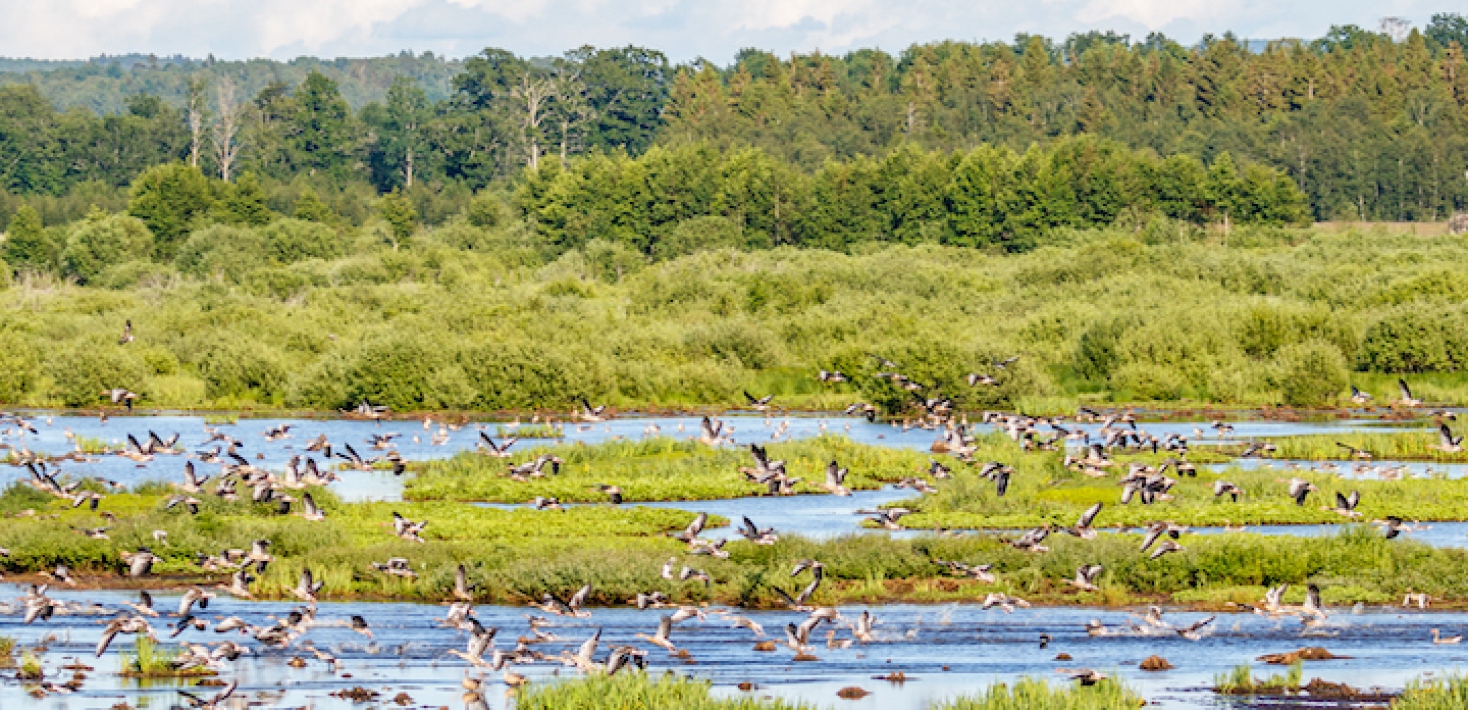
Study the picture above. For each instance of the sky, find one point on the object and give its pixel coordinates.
(683, 29)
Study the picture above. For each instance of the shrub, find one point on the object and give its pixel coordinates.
(27, 243)
(1312, 372)
(239, 366)
(290, 240)
(171, 200)
(105, 240)
(225, 250)
(81, 369)
(1415, 341)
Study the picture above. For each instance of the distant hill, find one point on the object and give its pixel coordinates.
(104, 83)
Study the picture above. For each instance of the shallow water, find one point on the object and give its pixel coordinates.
(944, 650)
(409, 654)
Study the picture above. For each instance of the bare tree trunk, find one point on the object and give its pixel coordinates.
(196, 119)
(225, 129)
(409, 167)
(537, 94)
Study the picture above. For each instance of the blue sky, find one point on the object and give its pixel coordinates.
(684, 29)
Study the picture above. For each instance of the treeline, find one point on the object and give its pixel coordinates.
(677, 200)
(1368, 125)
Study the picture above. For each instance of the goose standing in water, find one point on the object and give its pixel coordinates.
(1439, 639)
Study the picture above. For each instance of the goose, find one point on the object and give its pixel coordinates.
(186, 622)
(1030, 541)
(713, 549)
(544, 503)
(194, 595)
(239, 585)
(571, 607)
(123, 625)
(1166, 547)
(1355, 453)
(307, 587)
(591, 414)
(1006, 362)
(756, 535)
(832, 376)
(407, 529)
(660, 638)
(835, 480)
(1438, 638)
(1299, 489)
(497, 450)
(1190, 632)
(861, 629)
(1395, 526)
(127, 333)
(1419, 599)
(214, 702)
(644, 601)
(1447, 443)
(462, 590)
(397, 567)
(140, 563)
(885, 517)
(1222, 488)
(624, 656)
(711, 432)
(1407, 399)
(977, 378)
(799, 602)
(1358, 397)
(742, 622)
(613, 493)
(868, 411)
(1003, 601)
(310, 511)
(978, 572)
(999, 474)
(144, 605)
(258, 555)
(582, 658)
(690, 533)
(121, 395)
(938, 470)
(1082, 529)
(697, 575)
(1346, 505)
(277, 433)
(192, 484)
(668, 568)
(1088, 677)
(1085, 579)
(62, 574)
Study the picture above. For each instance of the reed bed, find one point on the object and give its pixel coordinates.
(658, 469)
(638, 691)
(1039, 694)
(1391, 446)
(1241, 681)
(1447, 693)
(148, 659)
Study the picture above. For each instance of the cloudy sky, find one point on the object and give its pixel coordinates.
(685, 29)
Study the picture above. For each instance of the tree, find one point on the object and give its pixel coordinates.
(26, 242)
(196, 106)
(397, 210)
(626, 88)
(243, 203)
(399, 131)
(225, 128)
(171, 200)
(309, 207)
(322, 125)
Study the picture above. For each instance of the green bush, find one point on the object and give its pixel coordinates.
(1312, 372)
(291, 240)
(223, 250)
(172, 200)
(81, 370)
(1415, 341)
(237, 366)
(102, 241)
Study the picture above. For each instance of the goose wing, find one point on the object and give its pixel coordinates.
(1089, 516)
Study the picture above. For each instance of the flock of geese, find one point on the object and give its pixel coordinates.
(238, 479)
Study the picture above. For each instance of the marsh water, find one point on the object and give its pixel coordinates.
(943, 650)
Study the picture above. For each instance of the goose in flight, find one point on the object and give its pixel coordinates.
(835, 482)
(697, 575)
(690, 533)
(1447, 443)
(500, 450)
(801, 601)
(756, 535)
(1358, 397)
(407, 529)
(613, 493)
(1299, 489)
(1407, 399)
(397, 567)
(140, 563)
(660, 638)
(886, 517)
(127, 333)
(309, 509)
(307, 587)
(1354, 452)
(1085, 579)
(553, 604)
(214, 702)
(592, 414)
(1166, 547)
(1030, 541)
(759, 404)
(121, 395)
(832, 376)
(1224, 488)
(711, 432)
(867, 411)
(1191, 631)
(1003, 601)
(1082, 529)
(977, 378)
(1346, 504)
(462, 590)
(979, 572)
(123, 625)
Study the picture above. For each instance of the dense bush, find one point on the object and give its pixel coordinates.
(1312, 372)
(101, 241)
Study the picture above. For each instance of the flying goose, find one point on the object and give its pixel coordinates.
(144, 605)
(553, 604)
(697, 575)
(1447, 443)
(756, 535)
(1354, 452)
(1299, 489)
(140, 563)
(660, 639)
(123, 625)
(613, 493)
(592, 414)
(624, 656)
(1190, 632)
(1006, 362)
(867, 411)
(397, 567)
(121, 395)
(759, 404)
(127, 333)
(978, 572)
(1085, 579)
(1358, 397)
(885, 517)
(1003, 601)
(690, 533)
(711, 432)
(1222, 488)
(1030, 541)
(193, 596)
(1166, 547)
(835, 480)
(832, 376)
(975, 378)
(407, 529)
(1346, 505)
(1082, 529)
(1407, 399)
(307, 587)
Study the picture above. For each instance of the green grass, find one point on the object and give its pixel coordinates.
(529, 431)
(1450, 693)
(637, 691)
(658, 469)
(150, 660)
(1407, 446)
(1241, 681)
(1038, 694)
(30, 666)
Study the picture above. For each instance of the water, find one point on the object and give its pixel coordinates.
(944, 650)
(1389, 646)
